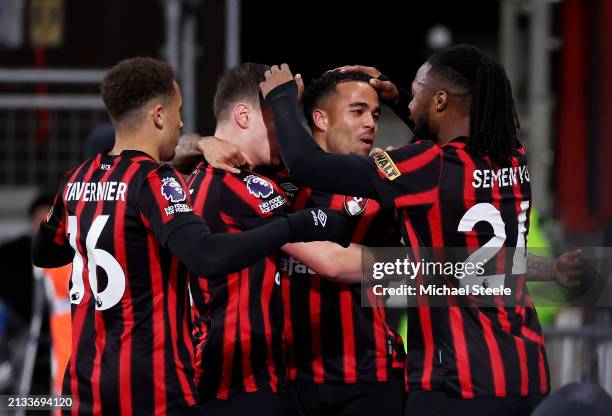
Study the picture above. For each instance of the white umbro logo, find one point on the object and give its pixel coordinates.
(322, 217)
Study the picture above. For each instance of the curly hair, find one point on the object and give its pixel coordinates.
(324, 86)
(238, 83)
(132, 83)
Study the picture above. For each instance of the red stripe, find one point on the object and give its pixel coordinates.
(173, 316)
(288, 328)
(81, 310)
(434, 218)
(159, 332)
(461, 354)
(266, 296)
(60, 233)
(469, 195)
(348, 334)
(155, 184)
(346, 316)
(229, 334)
(125, 354)
(379, 329)
(531, 335)
(543, 379)
(422, 198)
(302, 198)
(201, 193)
(497, 366)
(199, 328)
(238, 187)
(458, 145)
(95, 379)
(368, 215)
(424, 315)
(520, 344)
(245, 332)
(417, 162)
(315, 329)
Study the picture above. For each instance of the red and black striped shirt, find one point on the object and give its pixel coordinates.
(331, 336)
(238, 317)
(132, 351)
(449, 197)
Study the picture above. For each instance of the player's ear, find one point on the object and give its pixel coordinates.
(440, 99)
(158, 114)
(242, 113)
(319, 118)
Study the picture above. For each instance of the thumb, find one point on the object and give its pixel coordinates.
(300, 86)
(375, 151)
(248, 161)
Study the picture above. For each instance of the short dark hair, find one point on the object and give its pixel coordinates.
(493, 120)
(324, 86)
(238, 83)
(132, 83)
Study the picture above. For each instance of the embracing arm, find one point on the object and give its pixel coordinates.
(331, 261)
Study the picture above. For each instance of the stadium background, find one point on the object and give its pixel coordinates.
(558, 56)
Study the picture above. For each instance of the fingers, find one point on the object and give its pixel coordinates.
(300, 85)
(274, 77)
(222, 165)
(375, 151)
(247, 161)
(389, 148)
(370, 70)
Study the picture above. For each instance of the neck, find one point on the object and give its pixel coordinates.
(321, 140)
(238, 137)
(453, 129)
(135, 139)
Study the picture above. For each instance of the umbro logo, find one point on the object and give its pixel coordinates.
(319, 217)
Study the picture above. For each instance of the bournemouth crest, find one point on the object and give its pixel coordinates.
(355, 205)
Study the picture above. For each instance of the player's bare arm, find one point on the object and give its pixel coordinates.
(329, 260)
(218, 153)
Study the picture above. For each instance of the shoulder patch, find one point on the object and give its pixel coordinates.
(172, 190)
(258, 186)
(386, 165)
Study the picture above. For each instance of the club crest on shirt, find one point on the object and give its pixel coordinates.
(258, 187)
(172, 190)
(355, 205)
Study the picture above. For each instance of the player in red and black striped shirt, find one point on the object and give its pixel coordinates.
(119, 217)
(239, 317)
(471, 172)
(343, 358)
